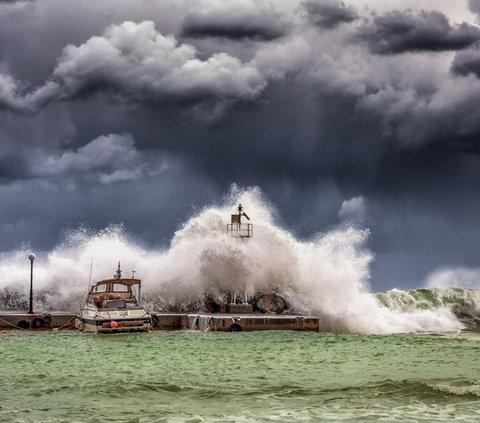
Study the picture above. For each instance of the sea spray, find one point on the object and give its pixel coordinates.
(456, 277)
(326, 276)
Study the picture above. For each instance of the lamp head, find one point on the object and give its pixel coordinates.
(31, 257)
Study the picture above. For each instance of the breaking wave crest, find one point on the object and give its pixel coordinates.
(326, 276)
(463, 302)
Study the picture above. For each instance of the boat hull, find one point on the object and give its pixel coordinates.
(119, 326)
(113, 324)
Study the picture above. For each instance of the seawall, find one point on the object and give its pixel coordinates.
(37, 321)
(171, 321)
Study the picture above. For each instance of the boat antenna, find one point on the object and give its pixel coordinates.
(118, 274)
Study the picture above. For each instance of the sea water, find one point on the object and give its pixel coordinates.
(239, 377)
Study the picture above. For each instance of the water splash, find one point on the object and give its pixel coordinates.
(326, 276)
(457, 277)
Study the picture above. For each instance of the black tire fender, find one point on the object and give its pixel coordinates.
(23, 324)
(37, 323)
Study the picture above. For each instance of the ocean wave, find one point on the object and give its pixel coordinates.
(326, 276)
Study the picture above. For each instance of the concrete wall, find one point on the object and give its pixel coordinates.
(169, 321)
(178, 321)
(37, 321)
(251, 322)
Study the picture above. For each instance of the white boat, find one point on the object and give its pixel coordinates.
(112, 306)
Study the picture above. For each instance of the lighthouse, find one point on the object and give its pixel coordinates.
(236, 228)
(242, 231)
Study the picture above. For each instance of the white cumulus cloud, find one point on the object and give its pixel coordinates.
(108, 158)
(354, 209)
(136, 61)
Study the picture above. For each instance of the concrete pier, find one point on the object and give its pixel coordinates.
(37, 321)
(234, 322)
(172, 321)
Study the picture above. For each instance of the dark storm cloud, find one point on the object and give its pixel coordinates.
(150, 210)
(252, 19)
(53, 24)
(467, 62)
(328, 13)
(138, 62)
(106, 160)
(400, 32)
(12, 168)
(142, 112)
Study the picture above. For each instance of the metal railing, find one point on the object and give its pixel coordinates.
(240, 230)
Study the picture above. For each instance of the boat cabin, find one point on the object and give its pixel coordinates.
(115, 293)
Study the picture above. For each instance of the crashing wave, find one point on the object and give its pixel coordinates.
(326, 276)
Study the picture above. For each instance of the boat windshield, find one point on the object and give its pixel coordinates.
(119, 287)
(115, 289)
(100, 288)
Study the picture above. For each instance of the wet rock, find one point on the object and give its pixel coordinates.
(215, 304)
(213, 307)
(172, 306)
(271, 303)
(208, 308)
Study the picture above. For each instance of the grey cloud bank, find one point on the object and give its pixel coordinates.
(399, 32)
(233, 20)
(109, 159)
(336, 111)
(328, 13)
(136, 61)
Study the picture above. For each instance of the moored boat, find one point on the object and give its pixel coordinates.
(112, 306)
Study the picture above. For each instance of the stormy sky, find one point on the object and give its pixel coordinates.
(143, 112)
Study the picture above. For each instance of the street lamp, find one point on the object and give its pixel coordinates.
(31, 257)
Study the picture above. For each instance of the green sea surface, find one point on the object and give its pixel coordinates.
(239, 377)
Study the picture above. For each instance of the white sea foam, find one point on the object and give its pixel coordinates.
(327, 275)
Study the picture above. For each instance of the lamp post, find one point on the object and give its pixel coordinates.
(31, 257)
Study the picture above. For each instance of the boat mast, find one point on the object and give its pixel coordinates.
(118, 273)
(90, 280)
(90, 277)
(139, 285)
